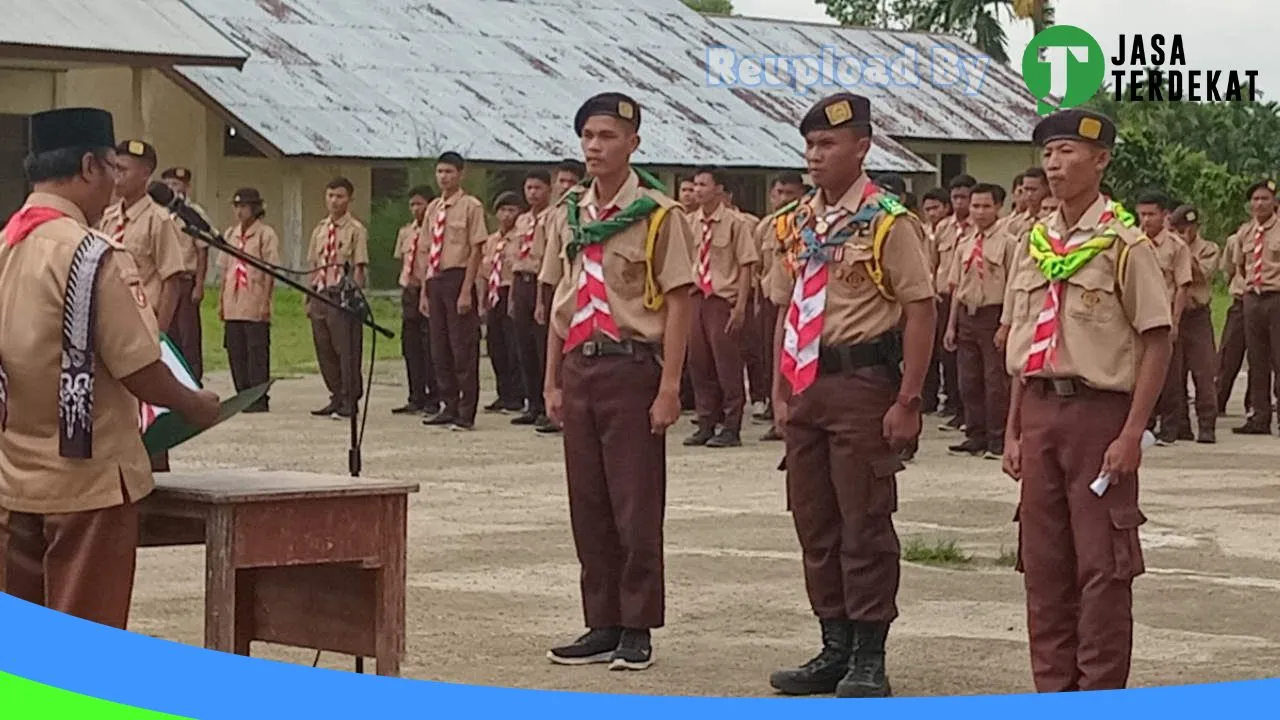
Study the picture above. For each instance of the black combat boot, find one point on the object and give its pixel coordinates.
(867, 677)
(820, 675)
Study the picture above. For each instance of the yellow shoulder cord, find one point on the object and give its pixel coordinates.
(653, 299)
(1122, 264)
(874, 269)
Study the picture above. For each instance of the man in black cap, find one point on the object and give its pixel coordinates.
(1088, 346)
(73, 366)
(620, 320)
(187, 332)
(1194, 348)
(854, 337)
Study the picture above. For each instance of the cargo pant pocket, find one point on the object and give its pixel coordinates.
(1125, 542)
(882, 498)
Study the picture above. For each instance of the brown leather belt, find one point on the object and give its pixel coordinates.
(1065, 387)
(615, 348)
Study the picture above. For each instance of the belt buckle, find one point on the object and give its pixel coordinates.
(590, 348)
(1064, 387)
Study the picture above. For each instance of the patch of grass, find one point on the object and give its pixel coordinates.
(1008, 558)
(292, 350)
(941, 552)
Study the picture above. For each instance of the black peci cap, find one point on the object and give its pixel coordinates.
(1076, 124)
(1184, 215)
(71, 128)
(176, 173)
(138, 149)
(1269, 184)
(246, 196)
(507, 198)
(839, 110)
(614, 105)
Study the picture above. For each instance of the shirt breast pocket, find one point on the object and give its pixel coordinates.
(1025, 285)
(1093, 298)
(624, 269)
(848, 277)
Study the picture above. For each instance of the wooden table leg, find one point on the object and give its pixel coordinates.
(219, 582)
(391, 587)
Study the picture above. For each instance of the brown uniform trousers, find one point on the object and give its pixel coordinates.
(1262, 345)
(1231, 356)
(248, 347)
(842, 491)
(1079, 553)
(757, 350)
(81, 564)
(530, 340)
(946, 362)
(1194, 354)
(339, 342)
(984, 383)
(715, 359)
(500, 343)
(455, 345)
(185, 331)
(415, 343)
(617, 499)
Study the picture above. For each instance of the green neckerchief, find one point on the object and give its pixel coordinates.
(1057, 267)
(597, 231)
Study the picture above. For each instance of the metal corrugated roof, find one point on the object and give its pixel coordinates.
(141, 30)
(924, 99)
(497, 80)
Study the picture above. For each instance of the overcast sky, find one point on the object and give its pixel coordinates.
(1218, 35)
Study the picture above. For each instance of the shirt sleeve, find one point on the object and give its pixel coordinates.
(270, 246)
(552, 265)
(360, 245)
(747, 249)
(1143, 290)
(168, 248)
(123, 339)
(1182, 265)
(401, 241)
(476, 227)
(906, 267)
(672, 266)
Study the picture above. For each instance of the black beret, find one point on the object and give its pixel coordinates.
(1076, 124)
(138, 149)
(1184, 215)
(71, 128)
(176, 173)
(507, 198)
(892, 183)
(839, 110)
(614, 105)
(246, 196)
(1268, 184)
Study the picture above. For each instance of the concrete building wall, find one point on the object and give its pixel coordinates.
(988, 162)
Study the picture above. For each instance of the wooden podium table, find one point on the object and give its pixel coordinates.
(312, 561)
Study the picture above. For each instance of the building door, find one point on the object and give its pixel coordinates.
(13, 148)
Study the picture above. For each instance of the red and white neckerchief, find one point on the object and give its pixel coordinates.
(1259, 238)
(410, 257)
(328, 255)
(591, 313)
(240, 271)
(802, 340)
(117, 235)
(526, 240)
(1044, 338)
(975, 256)
(495, 270)
(704, 256)
(26, 220)
(436, 249)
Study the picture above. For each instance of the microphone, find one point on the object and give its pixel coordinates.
(165, 197)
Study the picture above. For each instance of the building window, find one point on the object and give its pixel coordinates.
(952, 165)
(234, 144)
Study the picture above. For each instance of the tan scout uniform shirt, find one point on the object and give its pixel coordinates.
(1230, 265)
(464, 228)
(856, 312)
(251, 303)
(947, 237)
(1204, 255)
(154, 241)
(981, 288)
(624, 263)
(353, 247)
(537, 222)
(1101, 318)
(34, 478)
(1174, 259)
(732, 247)
(404, 243)
(509, 253)
(1270, 255)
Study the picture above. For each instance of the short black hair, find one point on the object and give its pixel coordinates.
(59, 164)
(909, 200)
(685, 179)
(423, 191)
(1017, 180)
(995, 191)
(717, 175)
(787, 178)
(539, 175)
(570, 165)
(451, 158)
(507, 199)
(341, 182)
(1153, 196)
(1037, 173)
(938, 194)
(1106, 189)
(963, 180)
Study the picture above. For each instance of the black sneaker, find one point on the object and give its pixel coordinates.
(512, 406)
(969, 447)
(440, 419)
(995, 450)
(597, 646)
(549, 428)
(1252, 428)
(495, 406)
(955, 422)
(542, 421)
(1207, 436)
(525, 419)
(407, 409)
(462, 427)
(772, 436)
(325, 411)
(700, 438)
(726, 438)
(634, 651)
(343, 414)
(1185, 434)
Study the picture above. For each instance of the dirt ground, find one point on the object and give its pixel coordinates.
(493, 577)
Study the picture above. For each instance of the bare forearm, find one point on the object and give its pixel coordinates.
(917, 345)
(745, 276)
(202, 265)
(361, 274)
(473, 267)
(555, 351)
(1013, 424)
(675, 337)
(953, 313)
(1155, 362)
(168, 303)
(156, 385)
(1179, 304)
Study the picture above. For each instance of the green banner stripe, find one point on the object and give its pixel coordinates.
(27, 700)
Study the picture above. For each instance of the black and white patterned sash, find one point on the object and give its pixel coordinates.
(79, 313)
(4, 400)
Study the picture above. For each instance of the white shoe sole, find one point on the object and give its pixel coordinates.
(597, 659)
(619, 664)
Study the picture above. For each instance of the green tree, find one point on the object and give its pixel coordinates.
(976, 21)
(714, 7)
